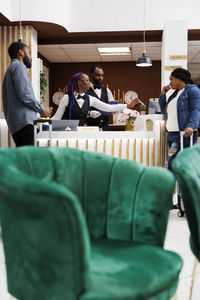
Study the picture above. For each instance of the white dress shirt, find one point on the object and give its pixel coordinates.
(172, 119)
(93, 102)
(99, 91)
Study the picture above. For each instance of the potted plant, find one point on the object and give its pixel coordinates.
(129, 116)
(43, 86)
(149, 125)
(142, 109)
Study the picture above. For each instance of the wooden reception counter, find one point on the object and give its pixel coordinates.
(147, 147)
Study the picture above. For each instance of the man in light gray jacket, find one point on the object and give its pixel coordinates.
(20, 104)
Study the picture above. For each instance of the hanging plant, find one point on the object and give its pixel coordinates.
(43, 86)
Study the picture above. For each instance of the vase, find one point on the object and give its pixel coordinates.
(130, 125)
(149, 125)
(143, 112)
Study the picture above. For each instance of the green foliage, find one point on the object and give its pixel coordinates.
(142, 107)
(148, 120)
(43, 86)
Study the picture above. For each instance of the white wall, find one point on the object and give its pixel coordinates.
(115, 15)
(104, 15)
(5, 8)
(39, 10)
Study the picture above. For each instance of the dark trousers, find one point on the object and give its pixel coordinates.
(173, 143)
(24, 136)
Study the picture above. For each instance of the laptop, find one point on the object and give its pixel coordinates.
(65, 125)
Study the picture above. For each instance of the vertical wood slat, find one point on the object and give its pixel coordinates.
(147, 153)
(9, 139)
(57, 143)
(104, 146)
(159, 146)
(7, 45)
(120, 149)
(13, 33)
(113, 147)
(76, 144)
(153, 153)
(134, 149)
(96, 145)
(86, 145)
(67, 144)
(127, 149)
(141, 151)
(2, 60)
(163, 149)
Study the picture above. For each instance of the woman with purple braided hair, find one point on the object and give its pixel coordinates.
(75, 105)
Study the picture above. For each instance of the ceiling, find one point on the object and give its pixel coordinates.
(69, 53)
(74, 53)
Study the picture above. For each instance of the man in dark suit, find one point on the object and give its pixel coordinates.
(100, 92)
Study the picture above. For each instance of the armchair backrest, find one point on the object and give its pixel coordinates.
(121, 199)
(44, 235)
(186, 167)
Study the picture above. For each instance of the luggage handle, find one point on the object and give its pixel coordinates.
(191, 139)
(35, 122)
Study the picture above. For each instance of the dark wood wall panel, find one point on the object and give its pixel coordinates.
(118, 75)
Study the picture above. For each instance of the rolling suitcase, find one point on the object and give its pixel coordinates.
(35, 123)
(181, 211)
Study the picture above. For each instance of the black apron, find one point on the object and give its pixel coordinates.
(101, 121)
(74, 112)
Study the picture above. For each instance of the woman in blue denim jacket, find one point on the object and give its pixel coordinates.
(182, 111)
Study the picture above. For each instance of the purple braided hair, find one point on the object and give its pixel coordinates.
(72, 85)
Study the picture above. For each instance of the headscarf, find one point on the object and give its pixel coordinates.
(183, 75)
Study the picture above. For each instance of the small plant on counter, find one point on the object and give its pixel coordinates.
(143, 107)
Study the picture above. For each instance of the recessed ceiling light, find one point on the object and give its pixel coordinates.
(115, 51)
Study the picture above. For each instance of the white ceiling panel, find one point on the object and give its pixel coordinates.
(82, 52)
(85, 58)
(89, 52)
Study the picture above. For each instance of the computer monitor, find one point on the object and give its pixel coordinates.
(63, 125)
(154, 107)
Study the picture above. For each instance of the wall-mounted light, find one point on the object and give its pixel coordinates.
(144, 60)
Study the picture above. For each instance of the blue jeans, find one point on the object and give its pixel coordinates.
(173, 143)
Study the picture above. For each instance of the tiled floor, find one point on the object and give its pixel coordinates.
(177, 239)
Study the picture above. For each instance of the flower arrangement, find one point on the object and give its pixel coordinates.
(128, 114)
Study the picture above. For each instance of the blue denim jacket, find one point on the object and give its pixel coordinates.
(188, 107)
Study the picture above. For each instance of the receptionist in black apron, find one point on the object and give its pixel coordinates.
(76, 103)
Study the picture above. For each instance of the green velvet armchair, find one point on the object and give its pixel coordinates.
(85, 226)
(186, 167)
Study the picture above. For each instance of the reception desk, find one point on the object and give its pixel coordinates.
(147, 147)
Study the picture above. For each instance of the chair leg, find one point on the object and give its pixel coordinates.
(175, 297)
(193, 274)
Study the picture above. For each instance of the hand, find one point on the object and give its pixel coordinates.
(188, 131)
(165, 89)
(133, 103)
(94, 114)
(48, 111)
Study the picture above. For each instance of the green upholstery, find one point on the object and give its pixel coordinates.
(50, 251)
(186, 167)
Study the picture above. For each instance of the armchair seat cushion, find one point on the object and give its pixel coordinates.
(120, 271)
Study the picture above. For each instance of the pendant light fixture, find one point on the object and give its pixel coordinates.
(144, 60)
(20, 23)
